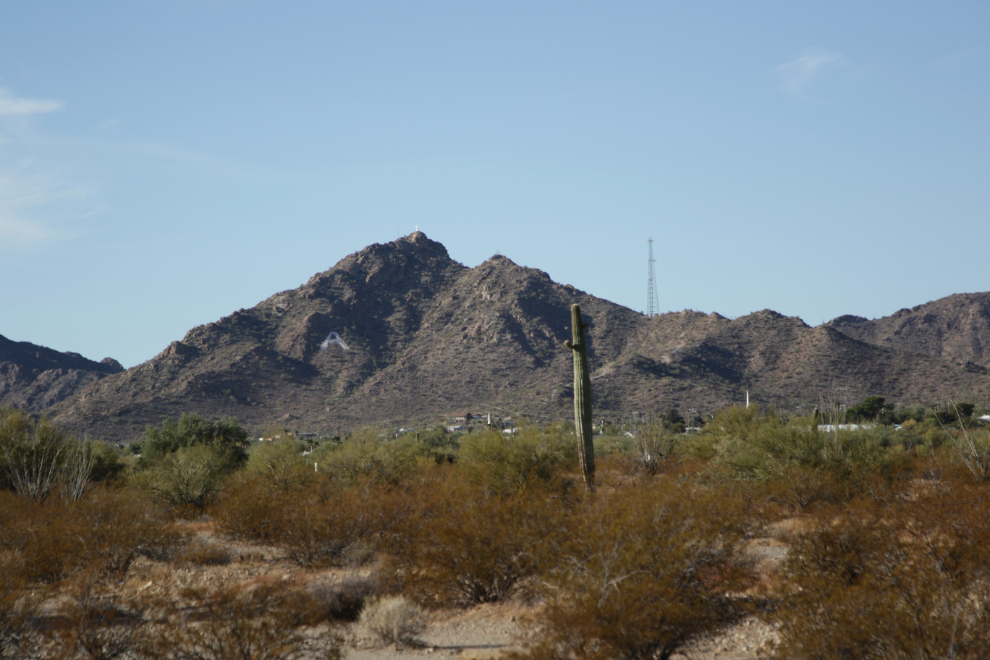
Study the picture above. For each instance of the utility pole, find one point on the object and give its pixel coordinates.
(652, 302)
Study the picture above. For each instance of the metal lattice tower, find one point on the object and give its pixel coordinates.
(652, 302)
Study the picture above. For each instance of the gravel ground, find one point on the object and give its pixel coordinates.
(485, 631)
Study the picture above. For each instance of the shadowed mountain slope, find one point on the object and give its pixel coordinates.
(955, 327)
(427, 337)
(34, 377)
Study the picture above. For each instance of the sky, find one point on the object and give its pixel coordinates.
(163, 164)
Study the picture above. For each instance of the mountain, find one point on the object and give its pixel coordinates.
(34, 377)
(427, 337)
(955, 327)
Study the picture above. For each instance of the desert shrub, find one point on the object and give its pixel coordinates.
(608, 445)
(772, 445)
(344, 600)
(788, 457)
(17, 604)
(871, 409)
(437, 444)
(259, 623)
(107, 466)
(118, 527)
(322, 525)
(972, 449)
(654, 449)
(729, 432)
(903, 581)
(367, 457)
(104, 532)
(739, 422)
(799, 487)
(37, 458)
(950, 523)
(189, 478)
(394, 620)
(281, 464)
(250, 509)
(644, 570)
(191, 430)
(466, 544)
(532, 455)
(913, 413)
(92, 623)
(42, 537)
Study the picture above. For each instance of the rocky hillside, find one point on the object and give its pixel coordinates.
(955, 327)
(34, 377)
(427, 337)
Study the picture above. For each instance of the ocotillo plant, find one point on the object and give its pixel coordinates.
(582, 397)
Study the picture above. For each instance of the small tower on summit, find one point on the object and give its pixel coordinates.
(652, 302)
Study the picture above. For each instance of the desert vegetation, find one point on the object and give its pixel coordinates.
(865, 542)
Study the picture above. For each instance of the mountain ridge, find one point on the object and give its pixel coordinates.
(956, 327)
(427, 336)
(35, 377)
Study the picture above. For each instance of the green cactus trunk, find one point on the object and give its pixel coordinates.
(582, 398)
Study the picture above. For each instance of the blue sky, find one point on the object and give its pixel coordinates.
(163, 164)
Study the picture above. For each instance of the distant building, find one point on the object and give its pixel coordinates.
(828, 428)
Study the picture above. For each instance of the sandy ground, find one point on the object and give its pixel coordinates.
(485, 631)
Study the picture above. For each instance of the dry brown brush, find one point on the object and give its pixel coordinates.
(104, 531)
(643, 571)
(906, 580)
(463, 544)
(242, 623)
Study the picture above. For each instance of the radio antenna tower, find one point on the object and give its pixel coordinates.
(652, 303)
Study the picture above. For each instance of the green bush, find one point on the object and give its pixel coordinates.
(281, 464)
(192, 430)
(655, 448)
(512, 462)
(189, 478)
(871, 409)
(106, 467)
(367, 455)
(765, 447)
(37, 458)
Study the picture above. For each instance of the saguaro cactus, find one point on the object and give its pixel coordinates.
(582, 397)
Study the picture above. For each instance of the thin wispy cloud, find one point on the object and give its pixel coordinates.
(36, 198)
(38, 206)
(796, 76)
(11, 105)
(19, 195)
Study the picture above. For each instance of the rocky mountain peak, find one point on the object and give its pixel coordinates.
(417, 335)
(112, 365)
